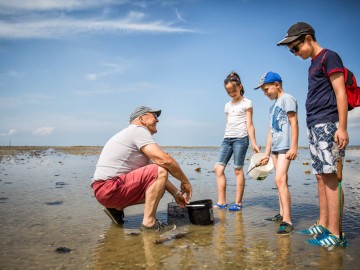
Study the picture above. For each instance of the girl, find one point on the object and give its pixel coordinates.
(239, 128)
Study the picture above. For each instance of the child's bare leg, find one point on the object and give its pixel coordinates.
(281, 210)
(240, 185)
(275, 158)
(323, 204)
(331, 185)
(281, 180)
(221, 183)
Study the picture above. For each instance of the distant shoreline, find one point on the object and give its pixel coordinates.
(96, 150)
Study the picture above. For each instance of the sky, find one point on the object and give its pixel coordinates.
(72, 71)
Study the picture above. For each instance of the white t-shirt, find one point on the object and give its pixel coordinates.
(236, 118)
(121, 154)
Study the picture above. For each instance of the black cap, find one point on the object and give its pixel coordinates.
(295, 31)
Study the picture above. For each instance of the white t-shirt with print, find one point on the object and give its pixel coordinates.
(236, 118)
(279, 122)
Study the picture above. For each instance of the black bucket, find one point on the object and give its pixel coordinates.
(177, 215)
(201, 212)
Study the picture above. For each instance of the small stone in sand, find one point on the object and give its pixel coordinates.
(63, 250)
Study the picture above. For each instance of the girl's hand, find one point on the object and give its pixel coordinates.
(256, 148)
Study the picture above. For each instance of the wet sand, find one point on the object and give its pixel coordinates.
(46, 204)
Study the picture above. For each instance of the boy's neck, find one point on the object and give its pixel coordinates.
(280, 93)
(316, 49)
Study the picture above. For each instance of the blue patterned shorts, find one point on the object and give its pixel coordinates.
(323, 150)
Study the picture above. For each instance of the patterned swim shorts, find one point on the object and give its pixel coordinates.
(323, 150)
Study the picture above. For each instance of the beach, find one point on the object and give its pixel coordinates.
(51, 220)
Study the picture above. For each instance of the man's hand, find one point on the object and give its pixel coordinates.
(181, 200)
(186, 189)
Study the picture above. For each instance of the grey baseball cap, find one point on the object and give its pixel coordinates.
(141, 110)
(295, 31)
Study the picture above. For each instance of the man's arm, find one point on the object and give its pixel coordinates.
(159, 157)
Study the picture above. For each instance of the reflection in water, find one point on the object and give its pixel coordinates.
(331, 259)
(284, 257)
(223, 245)
(229, 238)
(151, 258)
(130, 249)
(112, 253)
(220, 236)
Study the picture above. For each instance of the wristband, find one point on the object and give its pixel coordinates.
(177, 194)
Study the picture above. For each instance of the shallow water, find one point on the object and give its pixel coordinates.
(46, 203)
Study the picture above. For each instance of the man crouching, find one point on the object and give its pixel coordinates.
(132, 169)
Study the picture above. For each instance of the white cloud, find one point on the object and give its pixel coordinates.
(22, 100)
(7, 6)
(94, 92)
(40, 124)
(43, 131)
(179, 16)
(141, 4)
(133, 15)
(113, 68)
(10, 74)
(12, 132)
(64, 26)
(354, 118)
(134, 87)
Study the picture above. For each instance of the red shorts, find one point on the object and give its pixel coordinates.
(125, 189)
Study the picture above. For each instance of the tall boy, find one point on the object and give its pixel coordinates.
(283, 126)
(326, 118)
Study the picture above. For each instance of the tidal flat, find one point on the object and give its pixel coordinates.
(51, 220)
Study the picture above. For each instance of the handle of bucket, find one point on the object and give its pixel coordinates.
(195, 205)
(256, 165)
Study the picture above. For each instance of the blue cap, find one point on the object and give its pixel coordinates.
(269, 77)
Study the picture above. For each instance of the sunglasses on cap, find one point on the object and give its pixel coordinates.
(295, 48)
(232, 78)
(153, 114)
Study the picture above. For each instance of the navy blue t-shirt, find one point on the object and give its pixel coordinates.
(321, 104)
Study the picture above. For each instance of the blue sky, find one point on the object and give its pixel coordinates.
(72, 71)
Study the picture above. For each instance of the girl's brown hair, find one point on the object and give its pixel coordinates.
(233, 77)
